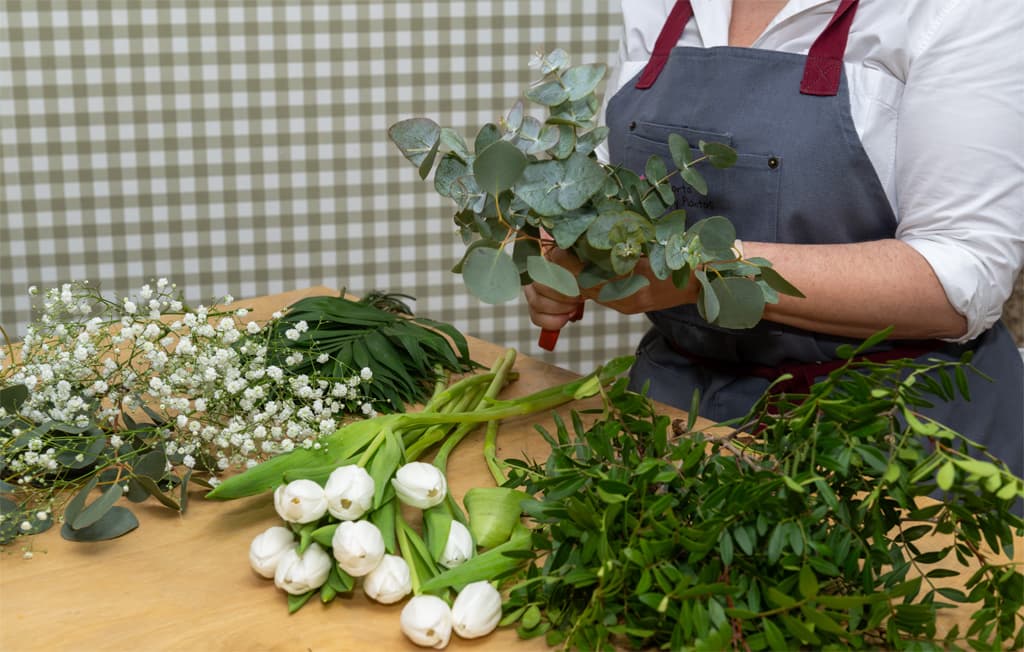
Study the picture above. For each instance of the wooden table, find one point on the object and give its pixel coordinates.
(183, 582)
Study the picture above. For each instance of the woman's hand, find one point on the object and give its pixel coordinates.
(551, 310)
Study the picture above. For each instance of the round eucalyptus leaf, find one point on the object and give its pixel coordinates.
(546, 139)
(522, 251)
(676, 253)
(113, 524)
(553, 275)
(669, 223)
(455, 143)
(152, 465)
(679, 148)
(694, 179)
(599, 233)
(582, 178)
(588, 142)
(498, 167)
(580, 81)
(416, 138)
(82, 452)
(655, 169)
(656, 258)
(622, 288)
(717, 234)
(549, 93)
(719, 155)
(449, 170)
(490, 275)
(557, 59)
(488, 134)
(707, 302)
(569, 226)
(514, 119)
(624, 257)
(566, 145)
(538, 186)
(740, 300)
(96, 509)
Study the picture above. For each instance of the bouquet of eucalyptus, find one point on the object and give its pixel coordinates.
(526, 182)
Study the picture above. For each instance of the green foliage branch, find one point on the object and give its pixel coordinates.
(523, 177)
(816, 534)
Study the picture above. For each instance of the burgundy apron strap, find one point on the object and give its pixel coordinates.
(681, 13)
(825, 59)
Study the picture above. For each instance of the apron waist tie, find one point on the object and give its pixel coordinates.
(803, 373)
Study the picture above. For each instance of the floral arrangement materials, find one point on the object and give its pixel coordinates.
(810, 536)
(140, 396)
(376, 549)
(526, 182)
(406, 353)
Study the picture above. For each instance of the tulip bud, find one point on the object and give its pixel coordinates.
(427, 620)
(268, 547)
(389, 582)
(301, 573)
(420, 484)
(477, 610)
(358, 547)
(300, 501)
(459, 546)
(349, 492)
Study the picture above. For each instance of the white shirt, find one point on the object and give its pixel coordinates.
(937, 96)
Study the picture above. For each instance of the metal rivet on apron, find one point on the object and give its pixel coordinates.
(632, 125)
(773, 162)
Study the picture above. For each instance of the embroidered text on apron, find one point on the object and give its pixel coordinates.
(802, 177)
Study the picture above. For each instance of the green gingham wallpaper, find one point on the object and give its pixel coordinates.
(240, 147)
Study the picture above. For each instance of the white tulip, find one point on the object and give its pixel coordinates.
(300, 501)
(390, 581)
(420, 484)
(349, 492)
(427, 620)
(268, 547)
(459, 546)
(358, 547)
(298, 574)
(476, 610)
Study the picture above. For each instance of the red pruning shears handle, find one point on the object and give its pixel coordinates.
(549, 337)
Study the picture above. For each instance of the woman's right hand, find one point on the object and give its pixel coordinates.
(550, 309)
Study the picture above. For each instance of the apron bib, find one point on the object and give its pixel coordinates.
(802, 177)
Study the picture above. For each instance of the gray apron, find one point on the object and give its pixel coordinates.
(802, 177)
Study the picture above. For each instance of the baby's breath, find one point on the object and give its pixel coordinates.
(96, 366)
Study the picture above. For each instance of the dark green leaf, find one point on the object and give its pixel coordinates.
(498, 167)
(491, 275)
(98, 508)
(114, 523)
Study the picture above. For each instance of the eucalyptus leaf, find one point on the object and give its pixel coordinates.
(555, 276)
(12, 396)
(455, 143)
(719, 155)
(679, 148)
(581, 81)
(550, 93)
(622, 288)
(498, 167)
(717, 235)
(448, 172)
(707, 301)
(416, 138)
(569, 226)
(114, 523)
(98, 508)
(539, 185)
(583, 177)
(490, 275)
(694, 179)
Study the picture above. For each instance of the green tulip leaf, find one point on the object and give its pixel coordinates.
(114, 523)
(740, 301)
(679, 148)
(493, 513)
(622, 288)
(581, 81)
(582, 178)
(416, 138)
(719, 155)
(498, 167)
(553, 275)
(490, 275)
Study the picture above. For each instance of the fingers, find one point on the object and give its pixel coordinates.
(550, 309)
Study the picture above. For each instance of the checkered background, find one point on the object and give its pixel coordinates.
(240, 147)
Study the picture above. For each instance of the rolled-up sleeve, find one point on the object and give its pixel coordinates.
(960, 155)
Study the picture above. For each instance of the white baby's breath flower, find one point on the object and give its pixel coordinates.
(366, 373)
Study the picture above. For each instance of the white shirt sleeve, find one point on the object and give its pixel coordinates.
(960, 154)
